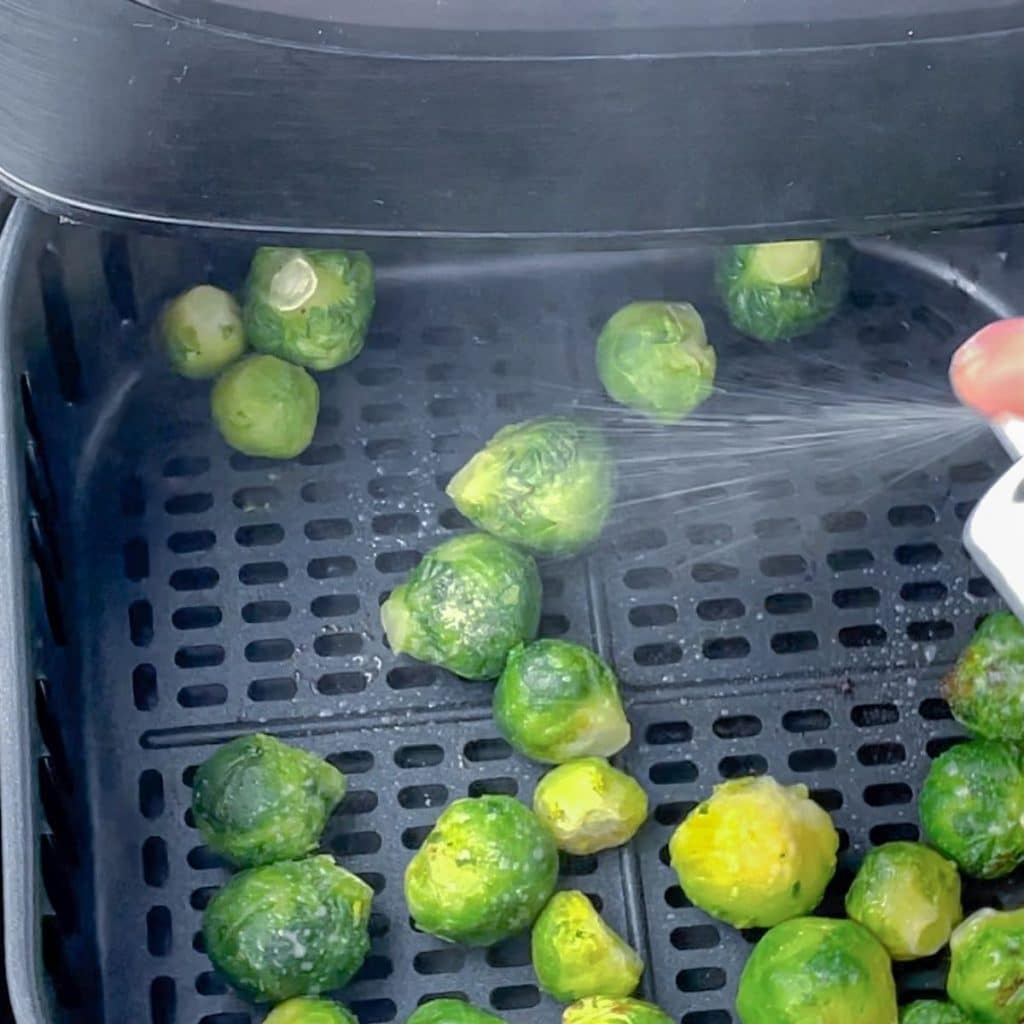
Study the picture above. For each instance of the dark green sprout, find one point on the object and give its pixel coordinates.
(257, 800)
(985, 690)
(309, 1011)
(780, 290)
(294, 928)
(483, 873)
(465, 606)
(972, 807)
(986, 970)
(451, 1011)
(309, 306)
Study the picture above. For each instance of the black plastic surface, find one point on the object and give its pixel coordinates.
(588, 131)
(197, 594)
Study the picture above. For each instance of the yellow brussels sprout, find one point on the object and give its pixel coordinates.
(755, 853)
(588, 805)
(575, 954)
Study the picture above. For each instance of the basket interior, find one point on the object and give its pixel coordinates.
(184, 594)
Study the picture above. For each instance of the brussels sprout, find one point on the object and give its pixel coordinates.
(556, 701)
(986, 688)
(289, 929)
(588, 805)
(908, 897)
(465, 606)
(814, 969)
(202, 331)
(780, 290)
(257, 800)
(483, 873)
(605, 1010)
(546, 484)
(755, 853)
(309, 1011)
(309, 306)
(655, 357)
(931, 1011)
(986, 970)
(451, 1011)
(972, 807)
(265, 406)
(575, 954)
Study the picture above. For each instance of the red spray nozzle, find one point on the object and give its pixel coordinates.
(987, 371)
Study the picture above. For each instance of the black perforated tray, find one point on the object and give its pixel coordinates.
(179, 594)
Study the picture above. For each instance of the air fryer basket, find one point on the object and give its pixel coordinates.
(164, 594)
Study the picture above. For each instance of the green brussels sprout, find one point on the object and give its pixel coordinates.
(908, 897)
(605, 1010)
(298, 927)
(588, 805)
(755, 853)
(655, 357)
(264, 406)
(932, 1011)
(309, 306)
(986, 969)
(257, 800)
(985, 690)
(451, 1011)
(202, 331)
(575, 954)
(814, 969)
(556, 701)
(483, 873)
(972, 807)
(465, 606)
(780, 290)
(546, 484)
(309, 1011)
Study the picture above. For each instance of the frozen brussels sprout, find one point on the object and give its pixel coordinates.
(309, 306)
(755, 853)
(986, 688)
(556, 701)
(815, 969)
(588, 805)
(483, 873)
(465, 606)
(546, 484)
(264, 406)
(257, 800)
(309, 1011)
(932, 1011)
(295, 928)
(606, 1010)
(986, 969)
(655, 357)
(451, 1011)
(575, 954)
(908, 897)
(780, 290)
(202, 331)
(972, 807)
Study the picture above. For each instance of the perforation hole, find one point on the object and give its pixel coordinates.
(672, 813)
(189, 504)
(136, 559)
(418, 797)
(423, 755)
(322, 492)
(903, 831)
(412, 838)
(888, 794)
(515, 997)
(356, 844)
(494, 787)
(809, 720)
(512, 952)
(653, 615)
(850, 559)
(980, 587)
(733, 727)
(196, 617)
(448, 960)
(935, 709)
(783, 565)
(868, 716)
(272, 689)
(739, 766)
(867, 635)
(795, 642)
(787, 604)
(844, 521)
(158, 931)
(714, 572)
(260, 651)
(874, 754)
(331, 684)
(940, 744)
(338, 645)
(256, 499)
(647, 578)
(724, 648)
(327, 529)
(701, 936)
(929, 630)
(489, 749)
(649, 538)
(925, 592)
(140, 623)
(321, 455)
(259, 535)
(155, 864)
(409, 677)
(256, 574)
(658, 654)
(816, 759)
(358, 801)
(912, 515)
(203, 695)
(336, 567)
(163, 1001)
(918, 554)
(709, 533)
(258, 612)
(151, 794)
(183, 466)
(202, 858)
(188, 580)
(352, 762)
(397, 561)
(700, 979)
(670, 773)
(199, 656)
(707, 1017)
(856, 597)
(830, 800)
(210, 983)
(188, 542)
(666, 733)
(144, 690)
(719, 609)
